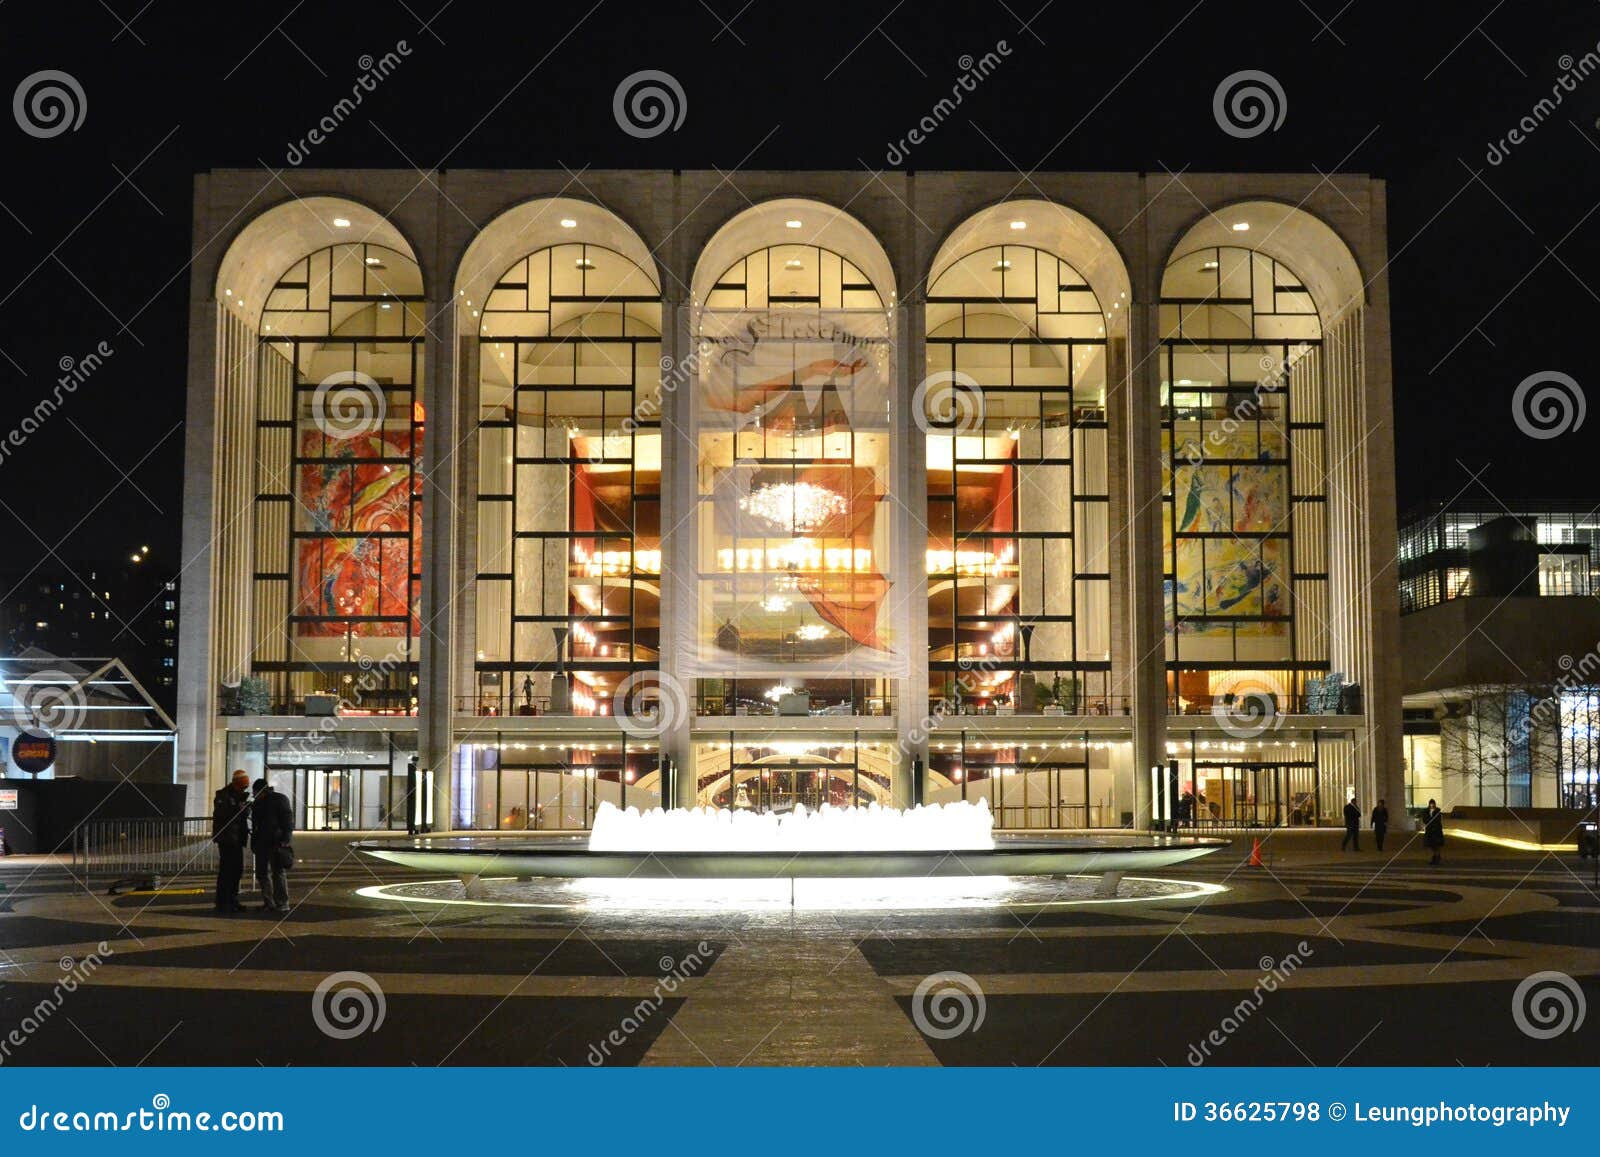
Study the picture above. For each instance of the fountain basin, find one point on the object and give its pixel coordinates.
(475, 856)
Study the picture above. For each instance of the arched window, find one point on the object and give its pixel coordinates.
(338, 437)
(1018, 578)
(569, 481)
(1245, 501)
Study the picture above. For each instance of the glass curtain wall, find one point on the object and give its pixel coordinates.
(338, 484)
(793, 424)
(1018, 576)
(569, 483)
(1244, 508)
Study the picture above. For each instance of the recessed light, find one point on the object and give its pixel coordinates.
(1241, 226)
(584, 263)
(383, 305)
(228, 292)
(1019, 224)
(793, 263)
(568, 223)
(374, 261)
(792, 223)
(1209, 265)
(1002, 264)
(341, 222)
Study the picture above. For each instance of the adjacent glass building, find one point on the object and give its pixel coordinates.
(511, 497)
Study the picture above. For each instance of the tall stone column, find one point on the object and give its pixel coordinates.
(1138, 410)
(442, 453)
(680, 544)
(909, 514)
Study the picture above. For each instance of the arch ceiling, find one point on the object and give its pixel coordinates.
(770, 223)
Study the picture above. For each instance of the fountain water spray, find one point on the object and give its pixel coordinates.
(937, 827)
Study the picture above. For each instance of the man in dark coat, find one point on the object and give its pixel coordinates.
(1352, 826)
(230, 831)
(271, 826)
(1433, 830)
(1380, 823)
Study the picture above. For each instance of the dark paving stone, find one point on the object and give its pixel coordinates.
(1384, 892)
(1574, 897)
(40, 932)
(306, 913)
(1420, 1025)
(1125, 953)
(575, 956)
(1288, 908)
(1568, 927)
(985, 920)
(277, 1028)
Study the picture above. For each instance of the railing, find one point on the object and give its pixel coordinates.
(1075, 705)
(157, 846)
(736, 703)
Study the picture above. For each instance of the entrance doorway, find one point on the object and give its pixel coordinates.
(336, 799)
(1235, 793)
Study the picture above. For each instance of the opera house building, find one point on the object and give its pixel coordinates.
(511, 493)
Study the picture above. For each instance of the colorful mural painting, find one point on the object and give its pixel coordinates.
(359, 492)
(1243, 572)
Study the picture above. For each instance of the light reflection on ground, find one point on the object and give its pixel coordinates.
(810, 894)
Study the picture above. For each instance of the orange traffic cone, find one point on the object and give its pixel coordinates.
(1255, 855)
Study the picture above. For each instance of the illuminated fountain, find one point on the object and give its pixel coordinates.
(939, 827)
(952, 841)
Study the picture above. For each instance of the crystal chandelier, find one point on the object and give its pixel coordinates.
(799, 506)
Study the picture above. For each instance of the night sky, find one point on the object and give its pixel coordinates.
(1494, 273)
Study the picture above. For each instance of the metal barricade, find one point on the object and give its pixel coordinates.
(144, 847)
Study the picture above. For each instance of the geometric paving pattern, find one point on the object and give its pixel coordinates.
(1399, 963)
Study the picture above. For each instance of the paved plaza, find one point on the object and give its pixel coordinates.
(1372, 960)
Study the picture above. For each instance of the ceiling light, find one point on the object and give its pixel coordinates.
(568, 223)
(584, 263)
(792, 223)
(1019, 224)
(1241, 226)
(1002, 265)
(1208, 265)
(384, 305)
(793, 263)
(375, 261)
(798, 505)
(341, 222)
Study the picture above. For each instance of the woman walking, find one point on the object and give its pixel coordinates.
(1433, 830)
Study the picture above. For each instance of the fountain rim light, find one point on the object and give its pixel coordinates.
(1194, 888)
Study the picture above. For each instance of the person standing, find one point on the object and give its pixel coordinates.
(1352, 826)
(1433, 830)
(1380, 823)
(230, 831)
(271, 827)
